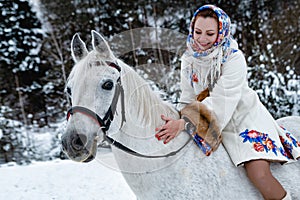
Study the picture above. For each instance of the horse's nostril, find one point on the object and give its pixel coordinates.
(79, 141)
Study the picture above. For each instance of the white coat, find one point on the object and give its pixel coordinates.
(249, 131)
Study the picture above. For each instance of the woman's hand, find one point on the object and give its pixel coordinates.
(170, 129)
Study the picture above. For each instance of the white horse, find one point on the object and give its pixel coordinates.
(111, 101)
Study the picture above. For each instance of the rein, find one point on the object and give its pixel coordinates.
(105, 122)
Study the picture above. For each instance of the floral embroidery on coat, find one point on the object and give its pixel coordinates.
(195, 78)
(288, 144)
(202, 144)
(261, 141)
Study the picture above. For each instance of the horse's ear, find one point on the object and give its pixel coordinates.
(78, 48)
(100, 44)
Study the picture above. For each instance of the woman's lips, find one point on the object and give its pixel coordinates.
(202, 46)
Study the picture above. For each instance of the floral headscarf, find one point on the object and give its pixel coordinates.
(220, 50)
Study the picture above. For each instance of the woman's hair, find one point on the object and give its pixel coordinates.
(207, 13)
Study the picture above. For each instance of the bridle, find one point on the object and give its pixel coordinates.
(105, 122)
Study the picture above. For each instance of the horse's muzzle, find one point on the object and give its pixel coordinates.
(77, 147)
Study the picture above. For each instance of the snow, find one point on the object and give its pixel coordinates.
(64, 180)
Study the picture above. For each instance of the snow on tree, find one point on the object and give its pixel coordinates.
(19, 74)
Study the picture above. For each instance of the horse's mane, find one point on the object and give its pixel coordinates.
(141, 99)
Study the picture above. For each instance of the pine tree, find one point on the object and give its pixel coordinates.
(268, 35)
(20, 93)
(20, 44)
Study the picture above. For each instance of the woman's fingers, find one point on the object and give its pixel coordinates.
(167, 131)
(164, 134)
(161, 134)
(168, 139)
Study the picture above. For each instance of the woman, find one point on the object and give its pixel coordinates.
(213, 64)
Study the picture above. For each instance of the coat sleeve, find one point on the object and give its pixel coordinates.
(227, 92)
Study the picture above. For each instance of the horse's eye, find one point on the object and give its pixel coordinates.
(108, 85)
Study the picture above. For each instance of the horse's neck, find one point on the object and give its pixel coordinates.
(143, 110)
(143, 105)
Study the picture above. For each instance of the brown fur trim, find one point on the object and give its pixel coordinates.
(205, 122)
(203, 95)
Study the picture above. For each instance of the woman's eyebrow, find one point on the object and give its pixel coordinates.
(206, 30)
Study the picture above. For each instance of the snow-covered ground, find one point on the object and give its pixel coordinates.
(65, 180)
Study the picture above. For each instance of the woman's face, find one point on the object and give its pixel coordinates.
(205, 32)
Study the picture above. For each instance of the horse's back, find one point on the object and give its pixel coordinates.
(192, 176)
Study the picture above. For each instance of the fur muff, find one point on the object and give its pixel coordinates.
(203, 95)
(205, 122)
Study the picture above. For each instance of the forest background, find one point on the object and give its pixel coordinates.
(35, 58)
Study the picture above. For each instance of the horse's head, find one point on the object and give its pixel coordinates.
(94, 77)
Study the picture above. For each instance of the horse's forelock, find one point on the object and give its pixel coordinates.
(93, 59)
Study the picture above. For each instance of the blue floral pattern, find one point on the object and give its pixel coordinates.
(202, 144)
(288, 143)
(263, 143)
